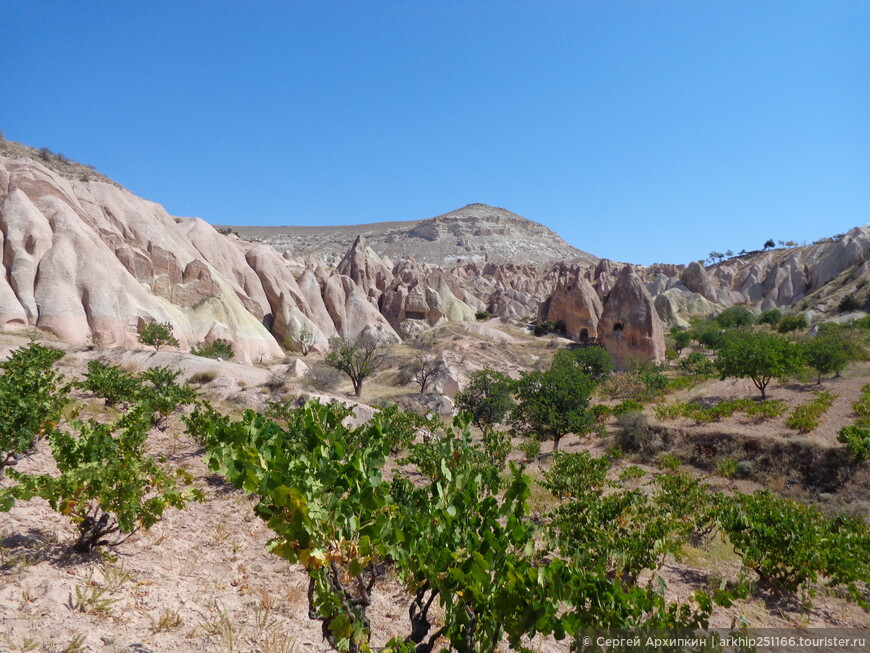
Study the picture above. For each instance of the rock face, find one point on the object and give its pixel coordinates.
(574, 302)
(630, 326)
(85, 260)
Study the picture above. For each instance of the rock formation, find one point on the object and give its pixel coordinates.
(630, 326)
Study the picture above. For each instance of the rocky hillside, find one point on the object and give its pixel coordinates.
(474, 233)
(87, 260)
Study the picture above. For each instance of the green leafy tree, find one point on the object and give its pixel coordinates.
(487, 398)
(771, 317)
(32, 398)
(758, 356)
(157, 335)
(553, 403)
(825, 356)
(113, 384)
(792, 323)
(682, 338)
(734, 317)
(359, 359)
(595, 362)
(108, 485)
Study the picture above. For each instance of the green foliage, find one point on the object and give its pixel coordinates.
(112, 383)
(595, 362)
(771, 317)
(650, 375)
(161, 394)
(553, 403)
(482, 315)
(735, 316)
(856, 436)
(849, 303)
(857, 440)
(155, 386)
(826, 354)
(548, 326)
(701, 414)
(32, 399)
(157, 335)
(218, 348)
(530, 448)
(599, 524)
(107, 484)
(682, 338)
(792, 323)
(758, 356)
(790, 544)
(698, 364)
(487, 398)
(359, 358)
(805, 418)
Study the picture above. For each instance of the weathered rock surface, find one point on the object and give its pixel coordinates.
(630, 326)
(87, 260)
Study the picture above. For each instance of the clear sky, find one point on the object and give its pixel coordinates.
(639, 131)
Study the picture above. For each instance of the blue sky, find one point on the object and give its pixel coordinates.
(639, 131)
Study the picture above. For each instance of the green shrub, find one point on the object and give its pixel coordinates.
(108, 485)
(856, 437)
(805, 418)
(32, 399)
(219, 348)
(849, 303)
(770, 317)
(482, 315)
(113, 384)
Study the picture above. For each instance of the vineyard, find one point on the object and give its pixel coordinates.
(402, 532)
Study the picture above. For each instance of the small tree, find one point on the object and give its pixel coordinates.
(425, 368)
(825, 356)
(768, 244)
(770, 317)
(359, 358)
(735, 316)
(681, 337)
(759, 356)
(487, 398)
(306, 340)
(554, 403)
(791, 323)
(157, 335)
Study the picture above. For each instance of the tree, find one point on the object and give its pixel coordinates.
(735, 316)
(826, 356)
(770, 317)
(595, 362)
(759, 356)
(769, 243)
(306, 340)
(554, 403)
(681, 337)
(791, 323)
(487, 398)
(425, 367)
(358, 358)
(157, 335)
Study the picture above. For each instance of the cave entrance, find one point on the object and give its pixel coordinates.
(415, 315)
(584, 334)
(618, 326)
